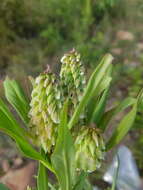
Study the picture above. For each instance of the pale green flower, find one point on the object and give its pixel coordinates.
(89, 145)
(45, 105)
(72, 77)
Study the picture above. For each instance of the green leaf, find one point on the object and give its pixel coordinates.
(8, 122)
(27, 150)
(123, 127)
(3, 187)
(110, 114)
(16, 97)
(63, 159)
(10, 126)
(96, 100)
(99, 110)
(95, 79)
(42, 180)
(102, 86)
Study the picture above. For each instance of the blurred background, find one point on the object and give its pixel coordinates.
(34, 33)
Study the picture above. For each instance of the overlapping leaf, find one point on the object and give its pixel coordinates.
(98, 102)
(110, 114)
(63, 158)
(123, 127)
(16, 97)
(10, 126)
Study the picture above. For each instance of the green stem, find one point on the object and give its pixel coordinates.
(42, 179)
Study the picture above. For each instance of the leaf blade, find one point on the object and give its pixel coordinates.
(107, 116)
(123, 127)
(10, 126)
(16, 97)
(63, 155)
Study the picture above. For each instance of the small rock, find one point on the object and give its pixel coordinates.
(124, 35)
(18, 161)
(116, 51)
(19, 179)
(140, 46)
(5, 165)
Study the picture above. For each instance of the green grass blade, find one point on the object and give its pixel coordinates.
(16, 97)
(93, 82)
(123, 127)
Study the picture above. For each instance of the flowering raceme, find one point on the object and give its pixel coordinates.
(90, 149)
(44, 113)
(72, 77)
(48, 97)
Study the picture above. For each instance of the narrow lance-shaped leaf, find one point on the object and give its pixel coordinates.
(99, 110)
(16, 97)
(98, 102)
(93, 82)
(91, 106)
(27, 150)
(123, 127)
(10, 126)
(107, 116)
(63, 159)
(7, 121)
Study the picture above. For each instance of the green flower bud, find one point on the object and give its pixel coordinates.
(89, 145)
(72, 77)
(45, 105)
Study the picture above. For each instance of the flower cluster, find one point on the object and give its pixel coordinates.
(45, 107)
(72, 77)
(48, 97)
(90, 149)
